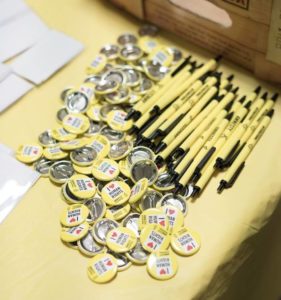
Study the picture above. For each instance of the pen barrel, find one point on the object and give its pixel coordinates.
(247, 149)
(254, 110)
(251, 97)
(206, 175)
(142, 120)
(224, 83)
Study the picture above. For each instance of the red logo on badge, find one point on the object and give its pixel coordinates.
(189, 247)
(90, 184)
(78, 231)
(72, 220)
(114, 234)
(171, 211)
(111, 171)
(69, 118)
(35, 151)
(111, 186)
(162, 223)
(150, 245)
(162, 272)
(109, 263)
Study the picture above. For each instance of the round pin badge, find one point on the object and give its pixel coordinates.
(65, 91)
(45, 139)
(131, 222)
(105, 169)
(83, 170)
(94, 129)
(138, 255)
(175, 216)
(93, 78)
(185, 241)
(155, 237)
(84, 156)
(110, 51)
(76, 123)
(102, 268)
(68, 196)
(106, 87)
(133, 76)
(139, 153)
(43, 166)
(121, 240)
(138, 190)
(29, 153)
(124, 168)
(62, 135)
(106, 109)
(148, 30)
(72, 234)
(144, 87)
(144, 169)
(74, 215)
(96, 208)
(61, 113)
(120, 150)
(88, 246)
(73, 144)
(116, 75)
(162, 265)
(97, 65)
(118, 212)
(153, 216)
(174, 200)
(130, 52)
(148, 44)
(150, 199)
(101, 229)
(76, 102)
(127, 38)
(115, 193)
(100, 144)
(161, 55)
(114, 136)
(164, 182)
(54, 153)
(121, 95)
(93, 112)
(123, 263)
(155, 71)
(116, 120)
(61, 171)
(81, 186)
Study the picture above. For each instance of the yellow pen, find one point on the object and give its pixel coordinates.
(184, 107)
(233, 172)
(199, 161)
(162, 83)
(172, 94)
(226, 81)
(181, 110)
(182, 132)
(233, 142)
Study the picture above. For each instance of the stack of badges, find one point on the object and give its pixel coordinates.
(120, 207)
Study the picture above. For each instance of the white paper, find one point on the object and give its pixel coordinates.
(6, 150)
(52, 52)
(10, 9)
(11, 89)
(5, 70)
(20, 34)
(15, 181)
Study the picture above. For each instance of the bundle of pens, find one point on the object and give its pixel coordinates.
(197, 125)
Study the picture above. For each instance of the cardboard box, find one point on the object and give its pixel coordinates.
(247, 32)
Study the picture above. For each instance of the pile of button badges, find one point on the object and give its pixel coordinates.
(120, 211)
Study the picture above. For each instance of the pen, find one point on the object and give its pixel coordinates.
(233, 142)
(203, 155)
(167, 98)
(226, 81)
(181, 131)
(233, 172)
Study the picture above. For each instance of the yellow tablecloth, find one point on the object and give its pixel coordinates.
(236, 258)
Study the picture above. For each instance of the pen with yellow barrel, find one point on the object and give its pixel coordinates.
(234, 171)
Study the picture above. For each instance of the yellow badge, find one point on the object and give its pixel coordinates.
(124, 168)
(161, 55)
(76, 123)
(29, 153)
(148, 44)
(101, 144)
(155, 237)
(83, 170)
(105, 169)
(73, 234)
(175, 217)
(115, 193)
(62, 135)
(162, 265)
(138, 190)
(102, 268)
(94, 112)
(74, 215)
(185, 241)
(118, 212)
(97, 65)
(153, 216)
(73, 144)
(116, 120)
(54, 153)
(88, 246)
(82, 186)
(121, 239)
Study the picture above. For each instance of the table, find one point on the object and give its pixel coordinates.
(239, 255)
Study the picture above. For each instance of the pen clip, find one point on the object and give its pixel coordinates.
(234, 156)
(235, 175)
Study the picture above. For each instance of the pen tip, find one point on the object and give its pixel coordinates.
(275, 96)
(264, 96)
(196, 191)
(229, 105)
(257, 90)
(270, 113)
(221, 186)
(218, 58)
(229, 87)
(230, 77)
(229, 116)
(248, 104)
(242, 99)
(235, 90)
